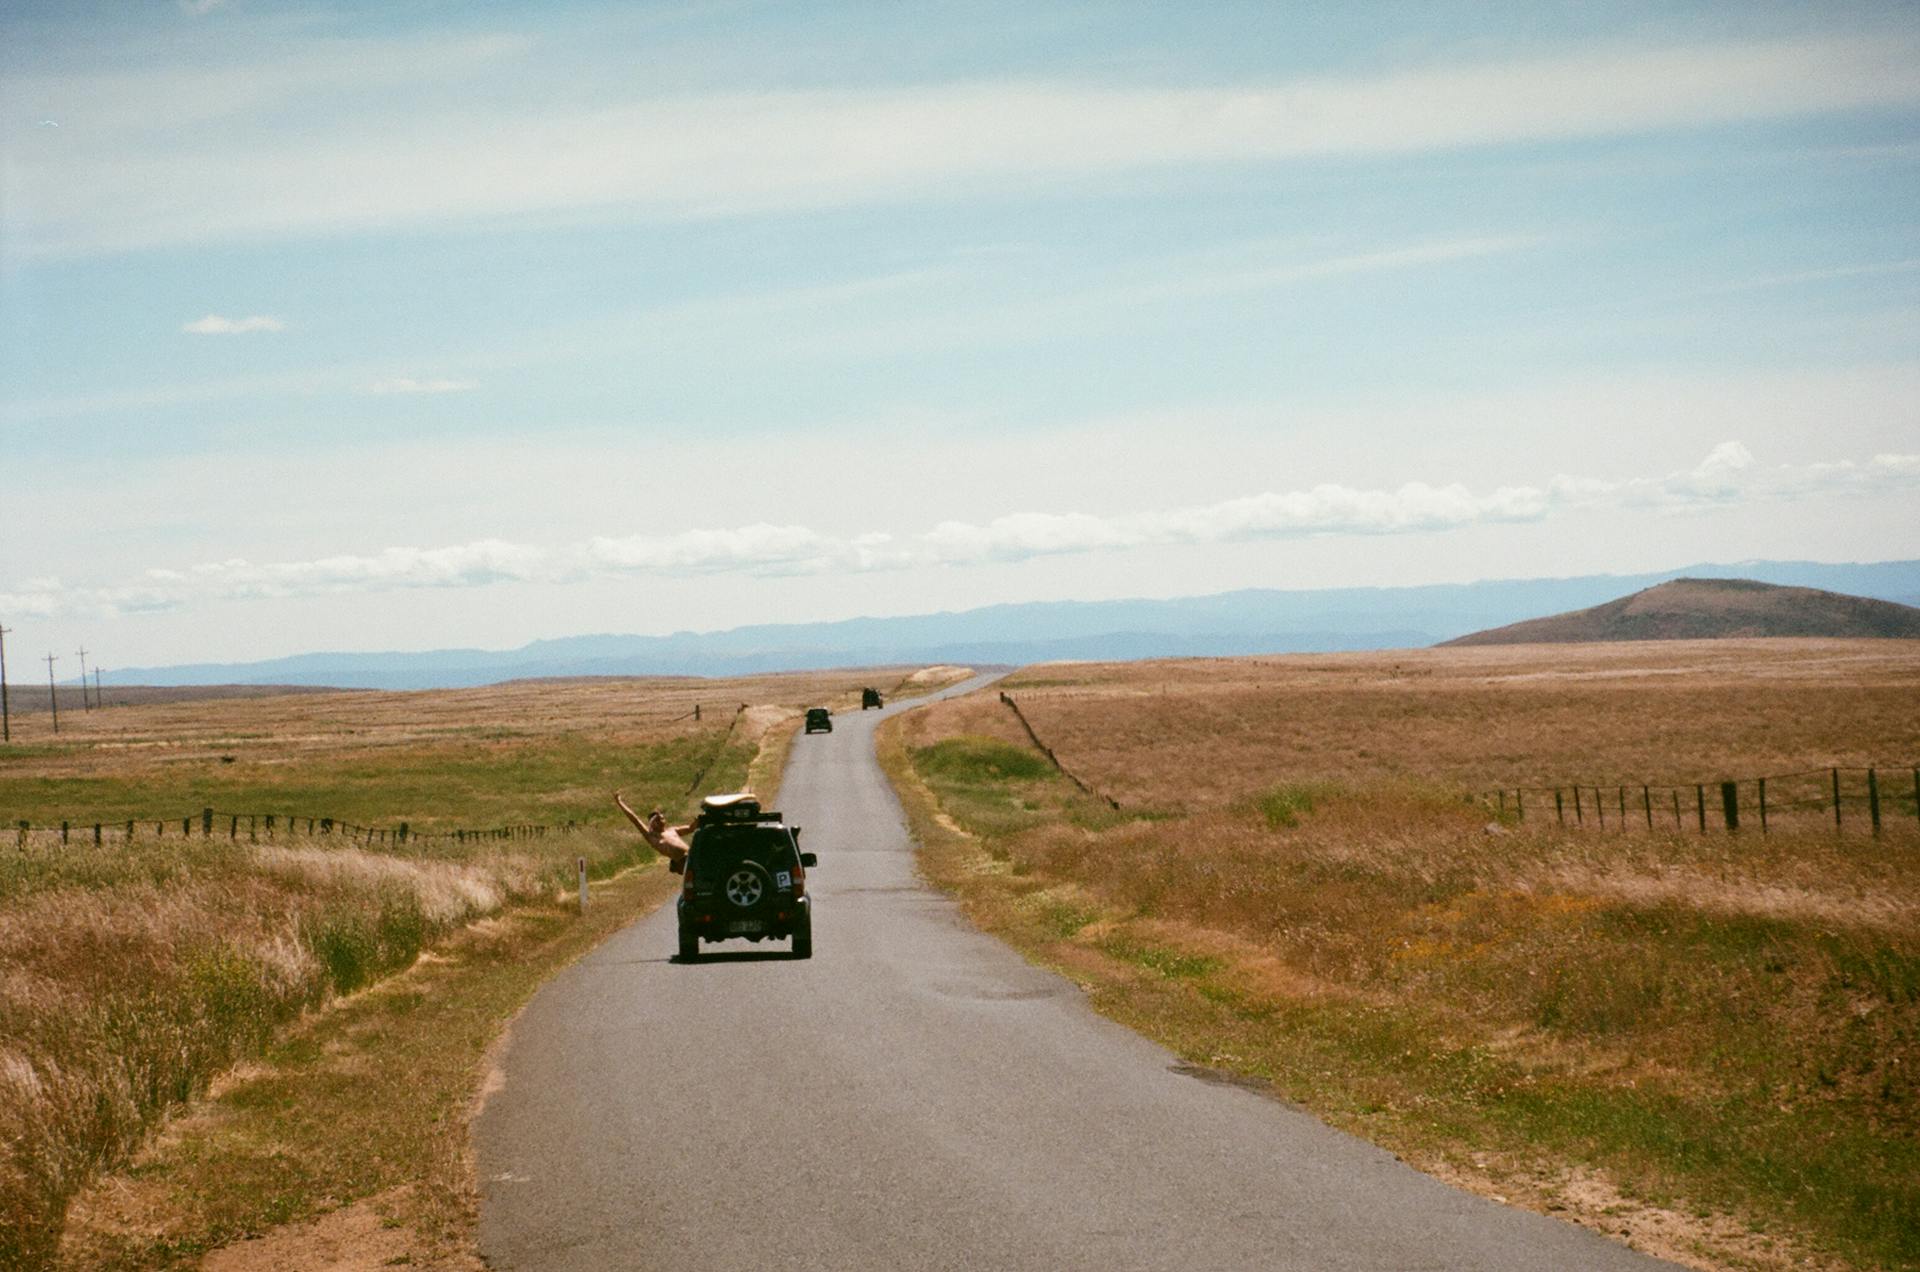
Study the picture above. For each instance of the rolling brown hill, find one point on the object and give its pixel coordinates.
(1705, 609)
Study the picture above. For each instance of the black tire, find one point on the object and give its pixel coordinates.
(803, 940)
(689, 946)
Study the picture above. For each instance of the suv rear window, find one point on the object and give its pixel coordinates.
(719, 847)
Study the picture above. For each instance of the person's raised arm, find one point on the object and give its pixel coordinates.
(639, 823)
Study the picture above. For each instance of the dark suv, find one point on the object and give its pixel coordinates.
(819, 720)
(745, 878)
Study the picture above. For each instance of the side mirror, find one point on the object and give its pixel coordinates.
(809, 860)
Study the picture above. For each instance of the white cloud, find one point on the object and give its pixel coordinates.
(1728, 475)
(408, 384)
(720, 153)
(216, 325)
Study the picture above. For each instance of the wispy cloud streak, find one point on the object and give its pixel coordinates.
(719, 153)
(216, 325)
(410, 384)
(1728, 476)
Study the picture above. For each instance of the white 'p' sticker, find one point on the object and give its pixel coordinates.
(786, 879)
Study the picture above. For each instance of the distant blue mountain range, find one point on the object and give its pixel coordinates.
(1245, 622)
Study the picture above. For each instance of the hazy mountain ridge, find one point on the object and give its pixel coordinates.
(1713, 609)
(1242, 622)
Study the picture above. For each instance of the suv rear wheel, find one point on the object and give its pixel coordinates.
(803, 940)
(689, 946)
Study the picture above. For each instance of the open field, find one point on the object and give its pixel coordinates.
(1711, 1039)
(132, 974)
(544, 752)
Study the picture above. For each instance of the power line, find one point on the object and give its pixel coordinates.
(6, 719)
(53, 693)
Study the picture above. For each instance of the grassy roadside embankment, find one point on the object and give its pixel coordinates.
(137, 974)
(1704, 1046)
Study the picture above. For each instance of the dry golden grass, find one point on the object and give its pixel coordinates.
(1194, 734)
(1729, 1020)
(461, 745)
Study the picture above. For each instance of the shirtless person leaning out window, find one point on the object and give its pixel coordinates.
(669, 841)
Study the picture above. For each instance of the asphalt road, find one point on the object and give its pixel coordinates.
(916, 1096)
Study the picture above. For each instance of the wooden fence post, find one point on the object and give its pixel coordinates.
(1700, 799)
(96, 834)
(1730, 805)
(1836, 799)
(129, 832)
(25, 826)
(1676, 808)
(1873, 799)
(1763, 805)
(206, 823)
(186, 826)
(1559, 806)
(1503, 805)
(1646, 798)
(1600, 807)
(63, 834)
(233, 826)
(1579, 814)
(1623, 808)
(1520, 798)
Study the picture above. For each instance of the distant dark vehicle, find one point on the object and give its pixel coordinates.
(745, 878)
(870, 698)
(819, 720)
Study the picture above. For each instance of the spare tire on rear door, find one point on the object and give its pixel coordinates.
(748, 887)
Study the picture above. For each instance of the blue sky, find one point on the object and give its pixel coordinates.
(410, 325)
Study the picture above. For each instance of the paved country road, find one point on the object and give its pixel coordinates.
(918, 1097)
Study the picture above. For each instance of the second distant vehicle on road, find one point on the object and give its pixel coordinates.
(819, 720)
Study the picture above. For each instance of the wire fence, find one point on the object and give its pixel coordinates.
(1867, 799)
(1085, 787)
(210, 823)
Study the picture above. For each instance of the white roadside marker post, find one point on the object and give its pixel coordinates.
(582, 863)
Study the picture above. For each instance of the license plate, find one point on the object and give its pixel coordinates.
(746, 925)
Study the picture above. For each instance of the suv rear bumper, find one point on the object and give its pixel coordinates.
(778, 921)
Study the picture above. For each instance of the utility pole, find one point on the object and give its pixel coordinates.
(6, 716)
(84, 704)
(53, 694)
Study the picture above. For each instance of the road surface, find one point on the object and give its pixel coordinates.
(916, 1096)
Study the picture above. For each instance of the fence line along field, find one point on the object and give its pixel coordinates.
(1296, 883)
(133, 972)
